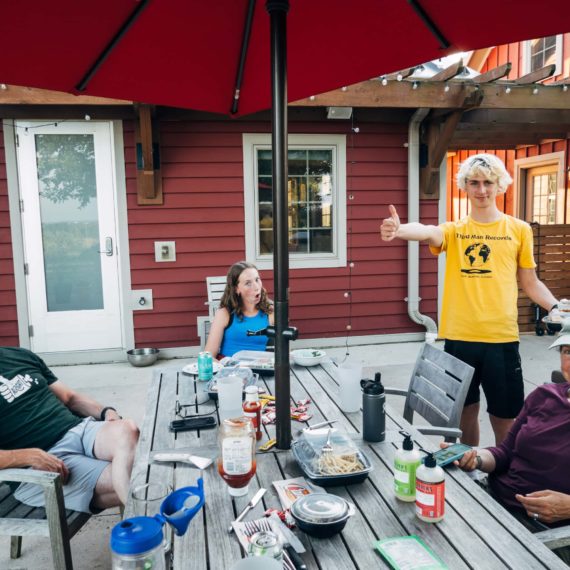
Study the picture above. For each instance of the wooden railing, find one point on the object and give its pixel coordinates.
(552, 255)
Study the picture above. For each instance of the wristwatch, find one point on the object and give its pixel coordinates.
(478, 462)
(104, 412)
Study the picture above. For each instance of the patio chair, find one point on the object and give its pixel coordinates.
(53, 521)
(215, 287)
(437, 392)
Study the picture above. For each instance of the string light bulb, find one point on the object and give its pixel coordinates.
(87, 117)
(446, 88)
(312, 98)
(535, 91)
(415, 85)
(565, 88)
(3, 86)
(399, 77)
(384, 81)
(507, 90)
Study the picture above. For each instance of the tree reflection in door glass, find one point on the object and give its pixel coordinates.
(70, 223)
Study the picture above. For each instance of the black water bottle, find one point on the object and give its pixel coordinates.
(373, 410)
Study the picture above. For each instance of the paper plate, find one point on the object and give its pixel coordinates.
(192, 368)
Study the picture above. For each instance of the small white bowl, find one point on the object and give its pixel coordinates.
(308, 356)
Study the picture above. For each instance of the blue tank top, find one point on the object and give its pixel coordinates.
(236, 339)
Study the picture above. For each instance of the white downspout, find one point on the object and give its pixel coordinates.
(413, 297)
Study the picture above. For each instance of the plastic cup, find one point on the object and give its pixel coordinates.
(350, 394)
(230, 389)
(147, 498)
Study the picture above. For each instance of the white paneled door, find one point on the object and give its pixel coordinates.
(68, 205)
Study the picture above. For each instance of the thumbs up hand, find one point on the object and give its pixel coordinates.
(391, 225)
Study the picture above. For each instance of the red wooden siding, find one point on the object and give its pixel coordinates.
(8, 316)
(203, 211)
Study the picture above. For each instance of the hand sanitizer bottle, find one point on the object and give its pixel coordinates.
(406, 461)
(430, 490)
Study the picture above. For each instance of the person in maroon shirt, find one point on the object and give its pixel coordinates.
(528, 472)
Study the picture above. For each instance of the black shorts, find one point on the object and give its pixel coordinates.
(497, 370)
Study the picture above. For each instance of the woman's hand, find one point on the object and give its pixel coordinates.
(390, 226)
(550, 506)
(467, 462)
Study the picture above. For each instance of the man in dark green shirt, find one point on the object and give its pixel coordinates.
(45, 425)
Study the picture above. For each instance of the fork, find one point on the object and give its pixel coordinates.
(327, 448)
(251, 527)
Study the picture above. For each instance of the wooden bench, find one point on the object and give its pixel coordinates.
(53, 521)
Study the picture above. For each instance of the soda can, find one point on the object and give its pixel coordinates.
(205, 366)
(266, 543)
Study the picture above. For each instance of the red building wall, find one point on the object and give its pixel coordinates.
(8, 317)
(203, 212)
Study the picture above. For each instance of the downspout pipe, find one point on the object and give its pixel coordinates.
(413, 297)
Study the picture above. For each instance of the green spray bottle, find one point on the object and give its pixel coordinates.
(406, 461)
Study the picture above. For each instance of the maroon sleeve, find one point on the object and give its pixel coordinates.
(503, 453)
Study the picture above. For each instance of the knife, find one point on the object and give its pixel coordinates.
(254, 500)
(291, 543)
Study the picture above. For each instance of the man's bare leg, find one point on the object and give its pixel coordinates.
(116, 442)
(470, 425)
(501, 427)
(104, 496)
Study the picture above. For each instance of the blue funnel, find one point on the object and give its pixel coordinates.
(180, 507)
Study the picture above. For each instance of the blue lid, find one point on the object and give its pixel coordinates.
(136, 535)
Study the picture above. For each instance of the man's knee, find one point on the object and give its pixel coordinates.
(129, 432)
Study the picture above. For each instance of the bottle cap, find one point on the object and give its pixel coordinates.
(252, 393)
(407, 444)
(429, 460)
(136, 535)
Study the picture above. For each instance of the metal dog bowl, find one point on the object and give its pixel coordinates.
(142, 356)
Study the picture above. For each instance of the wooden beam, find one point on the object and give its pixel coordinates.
(400, 94)
(438, 138)
(448, 72)
(149, 180)
(399, 75)
(478, 58)
(77, 112)
(537, 75)
(15, 95)
(493, 74)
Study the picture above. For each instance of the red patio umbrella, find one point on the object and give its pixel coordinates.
(216, 56)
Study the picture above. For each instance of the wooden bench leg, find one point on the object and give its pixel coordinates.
(15, 547)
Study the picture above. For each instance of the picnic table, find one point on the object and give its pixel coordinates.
(475, 533)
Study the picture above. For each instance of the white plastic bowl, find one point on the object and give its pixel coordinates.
(308, 356)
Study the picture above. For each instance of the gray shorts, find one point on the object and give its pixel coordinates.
(75, 449)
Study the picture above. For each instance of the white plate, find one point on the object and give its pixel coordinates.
(192, 368)
(308, 356)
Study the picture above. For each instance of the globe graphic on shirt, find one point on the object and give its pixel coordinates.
(477, 255)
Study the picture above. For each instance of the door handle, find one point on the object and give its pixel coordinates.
(108, 251)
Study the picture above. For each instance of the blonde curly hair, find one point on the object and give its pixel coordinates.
(487, 165)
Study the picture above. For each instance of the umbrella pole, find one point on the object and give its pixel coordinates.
(278, 16)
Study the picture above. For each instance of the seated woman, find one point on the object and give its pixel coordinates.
(528, 472)
(244, 306)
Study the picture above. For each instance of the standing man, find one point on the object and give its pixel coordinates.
(486, 252)
(45, 425)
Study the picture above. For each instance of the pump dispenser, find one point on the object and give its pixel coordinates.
(430, 490)
(406, 461)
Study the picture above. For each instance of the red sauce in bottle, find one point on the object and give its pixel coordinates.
(252, 409)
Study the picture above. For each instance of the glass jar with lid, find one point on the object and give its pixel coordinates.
(236, 460)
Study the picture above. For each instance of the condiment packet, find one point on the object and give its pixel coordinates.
(289, 490)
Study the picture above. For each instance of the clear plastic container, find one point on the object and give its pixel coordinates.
(345, 465)
(138, 544)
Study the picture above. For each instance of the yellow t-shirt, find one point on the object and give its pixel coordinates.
(480, 289)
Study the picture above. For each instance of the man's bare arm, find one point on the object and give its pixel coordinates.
(392, 228)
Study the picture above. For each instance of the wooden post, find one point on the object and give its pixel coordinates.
(149, 179)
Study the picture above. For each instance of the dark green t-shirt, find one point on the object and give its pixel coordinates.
(31, 415)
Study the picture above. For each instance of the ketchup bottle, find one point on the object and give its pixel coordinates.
(252, 409)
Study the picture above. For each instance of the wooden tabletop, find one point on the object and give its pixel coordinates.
(475, 533)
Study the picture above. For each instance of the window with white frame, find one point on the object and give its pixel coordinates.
(540, 52)
(316, 193)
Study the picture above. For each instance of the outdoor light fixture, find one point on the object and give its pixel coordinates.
(339, 112)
